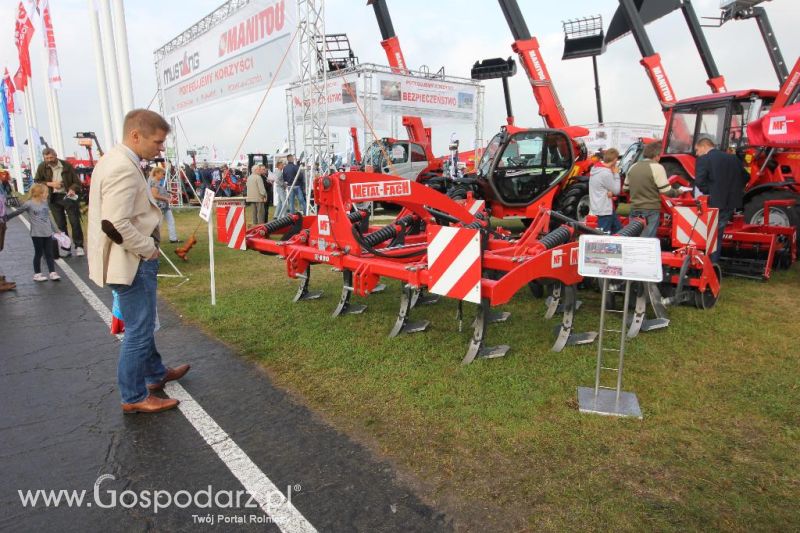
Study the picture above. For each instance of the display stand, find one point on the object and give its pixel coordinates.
(629, 260)
(611, 401)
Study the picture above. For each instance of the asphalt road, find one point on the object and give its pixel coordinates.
(61, 427)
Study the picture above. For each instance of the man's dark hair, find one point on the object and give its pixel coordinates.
(652, 150)
(49, 151)
(145, 121)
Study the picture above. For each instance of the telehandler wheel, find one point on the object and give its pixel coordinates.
(574, 201)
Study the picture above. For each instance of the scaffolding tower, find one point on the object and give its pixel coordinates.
(313, 76)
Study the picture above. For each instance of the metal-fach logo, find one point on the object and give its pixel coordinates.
(157, 500)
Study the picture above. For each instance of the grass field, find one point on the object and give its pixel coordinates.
(500, 444)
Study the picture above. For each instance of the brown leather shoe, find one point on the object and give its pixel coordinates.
(7, 286)
(151, 404)
(171, 375)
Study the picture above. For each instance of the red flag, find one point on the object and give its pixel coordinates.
(9, 89)
(23, 32)
(20, 80)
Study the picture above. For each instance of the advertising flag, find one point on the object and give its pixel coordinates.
(7, 140)
(53, 72)
(23, 32)
(8, 90)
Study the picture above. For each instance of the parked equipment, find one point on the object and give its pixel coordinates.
(723, 117)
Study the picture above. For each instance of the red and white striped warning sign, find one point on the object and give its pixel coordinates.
(473, 206)
(700, 231)
(235, 227)
(454, 263)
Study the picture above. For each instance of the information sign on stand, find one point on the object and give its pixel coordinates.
(623, 259)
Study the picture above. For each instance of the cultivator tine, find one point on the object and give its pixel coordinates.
(302, 291)
(493, 317)
(402, 324)
(564, 333)
(345, 307)
(553, 301)
(420, 297)
(380, 287)
(656, 301)
(639, 321)
(476, 348)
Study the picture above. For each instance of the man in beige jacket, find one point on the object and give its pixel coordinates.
(124, 234)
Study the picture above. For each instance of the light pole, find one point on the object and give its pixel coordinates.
(584, 37)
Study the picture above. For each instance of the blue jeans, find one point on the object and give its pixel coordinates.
(609, 223)
(139, 361)
(170, 219)
(651, 216)
(299, 194)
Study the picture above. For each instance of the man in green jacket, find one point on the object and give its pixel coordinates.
(647, 181)
(65, 188)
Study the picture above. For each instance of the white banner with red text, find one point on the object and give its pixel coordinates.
(236, 57)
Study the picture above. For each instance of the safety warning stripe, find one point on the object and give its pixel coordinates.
(475, 206)
(702, 229)
(235, 228)
(454, 263)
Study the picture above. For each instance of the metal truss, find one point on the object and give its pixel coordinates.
(313, 76)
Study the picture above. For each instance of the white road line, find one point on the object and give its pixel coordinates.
(264, 491)
(268, 496)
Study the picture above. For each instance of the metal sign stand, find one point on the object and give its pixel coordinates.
(610, 401)
(177, 274)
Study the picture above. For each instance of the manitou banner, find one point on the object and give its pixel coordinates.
(240, 55)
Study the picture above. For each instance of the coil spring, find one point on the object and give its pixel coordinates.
(633, 229)
(355, 216)
(474, 225)
(279, 223)
(557, 237)
(387, 232)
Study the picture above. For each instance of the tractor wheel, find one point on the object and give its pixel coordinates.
(458, 192)
(574, 201)
(674, 168)
(707, 300)
(778, 216)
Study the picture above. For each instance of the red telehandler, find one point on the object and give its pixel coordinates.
(500, 177)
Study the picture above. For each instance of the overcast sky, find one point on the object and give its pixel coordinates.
(448, 33)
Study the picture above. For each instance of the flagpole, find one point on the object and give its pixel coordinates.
(109, 54)
(100, 73)
(57, 115)
(15, 154)
(123, 58)
(30, 113)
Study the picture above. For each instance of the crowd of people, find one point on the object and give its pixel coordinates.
(718, 174)
(283, 188)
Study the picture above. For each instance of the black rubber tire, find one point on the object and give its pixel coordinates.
(707, 300)
(458, 192)
(673, 168)
(574, 201)
(754, 209)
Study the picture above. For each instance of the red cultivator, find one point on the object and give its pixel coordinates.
(436, 245)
